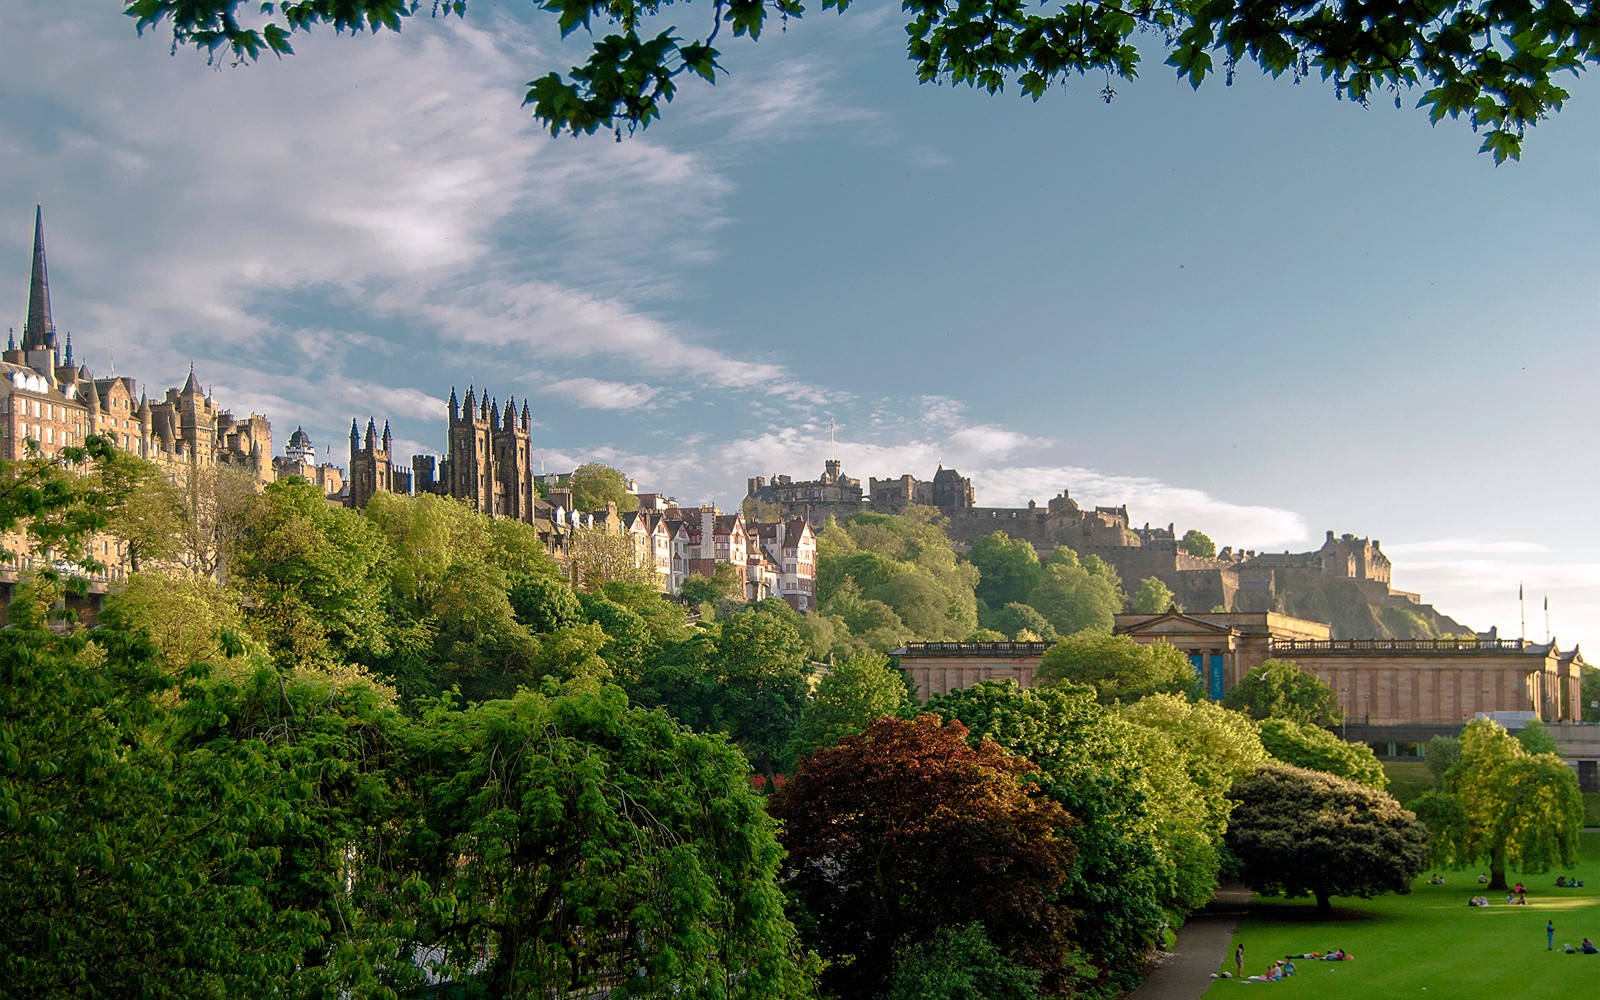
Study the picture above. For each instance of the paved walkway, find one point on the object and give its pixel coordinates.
(1185, 972)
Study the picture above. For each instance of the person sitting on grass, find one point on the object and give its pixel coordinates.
(1288, 967)
(1520, 889)
(1588, 947)
(1436, 880)
(1561, 881)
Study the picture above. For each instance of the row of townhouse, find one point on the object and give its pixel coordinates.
(778, 558)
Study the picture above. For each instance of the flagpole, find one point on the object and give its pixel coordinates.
(1522, 610)
(1547, 618)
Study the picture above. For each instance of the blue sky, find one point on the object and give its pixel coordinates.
(1252, 310)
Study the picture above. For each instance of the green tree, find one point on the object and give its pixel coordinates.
(579, 842)
(1073, 599)
(1305, 833)
(188, 618)
(904, 829)
(1154, 597)
(1442, 754)
(1504, 806)
(1218, 746)
(1281, 689)
(596, 557)
(1198, 543)
(1096, 765)
(1008, 569)
(1117, 667)
(725, 583)
(545, 604)
(1535, 738)
(1590, 692)
(960, 963)
(314, 575)
(594, 485)
(850, 696)
(1498, 65)
(1314, 748)
(1015, 619)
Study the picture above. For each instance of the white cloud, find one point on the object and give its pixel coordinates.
(602, 395)
(1464, 546)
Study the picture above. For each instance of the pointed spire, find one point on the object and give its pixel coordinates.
(387, 437)
(69, 348)
(355, 434)
(11, 340)
(455, 408)
(511, 412)
(524, 414)
(483, 407)
(190, 386)
(372, 433)
(468, 408)
(39, 330)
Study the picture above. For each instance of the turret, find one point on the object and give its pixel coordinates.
(455, 409)
(388, 439)
(494, 415)
(372, 434)
(525, 420)
(355, 436)
(483, 407)
(468, 408)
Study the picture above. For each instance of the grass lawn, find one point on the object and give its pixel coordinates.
(1431, 942)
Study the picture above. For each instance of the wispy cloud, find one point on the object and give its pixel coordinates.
(601, 395)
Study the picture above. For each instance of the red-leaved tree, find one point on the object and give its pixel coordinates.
(904, 829)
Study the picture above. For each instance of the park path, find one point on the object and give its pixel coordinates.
(1185, 972)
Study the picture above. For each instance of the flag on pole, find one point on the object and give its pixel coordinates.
(1519, 590)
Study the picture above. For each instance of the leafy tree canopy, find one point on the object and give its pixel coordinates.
(1198, 543)
(906, 828)
(1072, 598)
(1154, 597)
(848, 698)
(1216, 746)
(1314, 748)
(1305, 833)
(1008, 569)
(1505, 806)
(1494, 63)
(1096, 765)
(1280, 689)
(960, 963)
(595, 484)
(1117, 667)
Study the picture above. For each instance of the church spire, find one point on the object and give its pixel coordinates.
(38, 333)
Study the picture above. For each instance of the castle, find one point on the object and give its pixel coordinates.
(1346, 582)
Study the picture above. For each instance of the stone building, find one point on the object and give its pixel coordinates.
(834, 494)
(488, 463)
(51, 399)
(1391, 690)
(300, 459)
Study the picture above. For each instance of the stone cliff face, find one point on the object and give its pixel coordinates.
(1354, 610)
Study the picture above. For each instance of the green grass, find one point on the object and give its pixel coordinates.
(1430, 943)
(1408, 778)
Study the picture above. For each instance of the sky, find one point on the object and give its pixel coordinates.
(1250, 309)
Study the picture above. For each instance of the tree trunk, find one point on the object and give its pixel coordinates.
(1497, 868)
(1324, 905)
